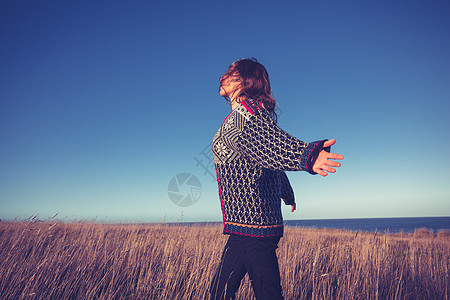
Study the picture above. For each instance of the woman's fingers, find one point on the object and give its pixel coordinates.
(322, 173)
(324, 162)
(335, 156)
(332, 155)
(332, 163)
(329, 143)
(328, 169)
(326, 165)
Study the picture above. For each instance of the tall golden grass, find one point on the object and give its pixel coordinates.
(100, 261)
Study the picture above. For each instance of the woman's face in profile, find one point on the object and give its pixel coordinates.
(228, 86)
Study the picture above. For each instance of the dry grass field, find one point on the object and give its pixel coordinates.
(101, 261)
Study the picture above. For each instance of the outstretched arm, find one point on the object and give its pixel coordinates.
(323, 164)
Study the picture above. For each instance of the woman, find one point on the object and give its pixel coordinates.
(251, 154)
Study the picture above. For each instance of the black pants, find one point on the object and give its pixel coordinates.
(255, 256)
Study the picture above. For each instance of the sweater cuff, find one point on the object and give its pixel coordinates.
(289, 202)
(310, 155)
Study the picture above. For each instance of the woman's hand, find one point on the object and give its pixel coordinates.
(293, 206)
(323, 163)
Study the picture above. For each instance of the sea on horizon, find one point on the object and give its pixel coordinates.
(382, 225)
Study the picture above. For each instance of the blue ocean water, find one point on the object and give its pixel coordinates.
(383, 225)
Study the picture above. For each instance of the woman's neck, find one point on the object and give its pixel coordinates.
(236, 101)
(234, 104)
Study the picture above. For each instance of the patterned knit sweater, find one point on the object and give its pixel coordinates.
(251, 154)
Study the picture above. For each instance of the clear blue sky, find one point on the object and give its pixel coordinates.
(102, 103)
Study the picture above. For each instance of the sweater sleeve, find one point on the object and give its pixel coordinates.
(273, 148)
(287, 194)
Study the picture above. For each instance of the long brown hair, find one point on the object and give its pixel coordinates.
(254, 82)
